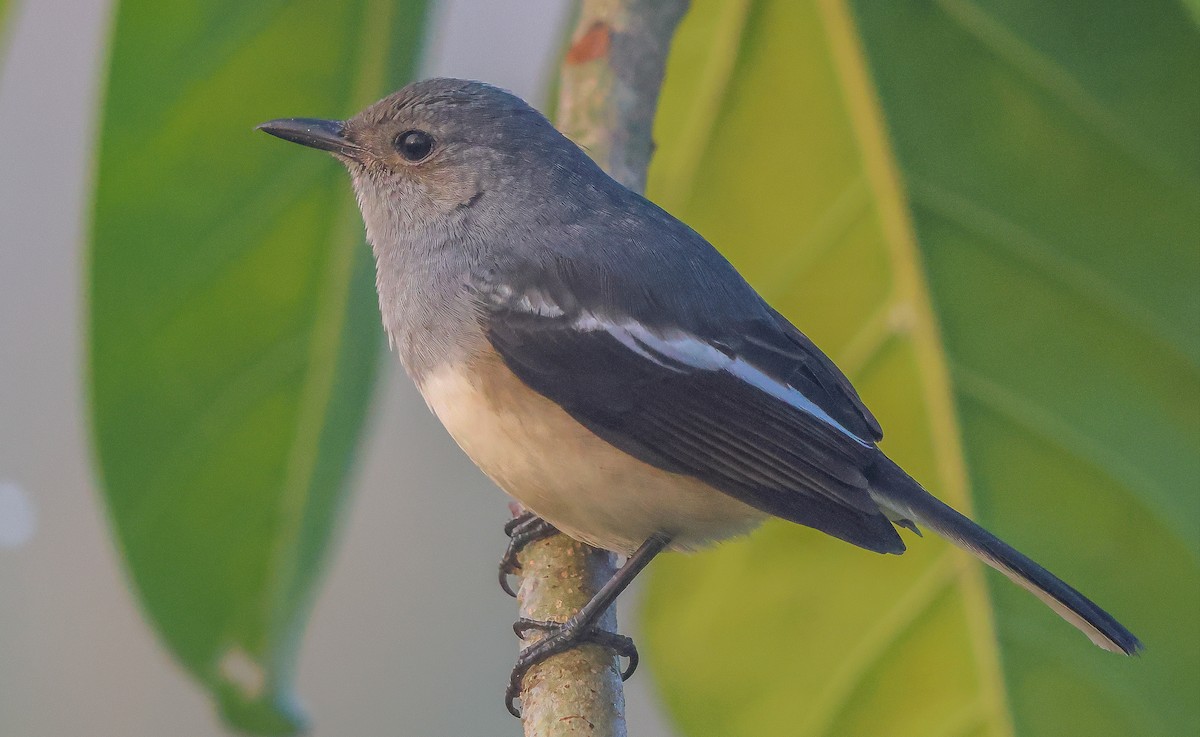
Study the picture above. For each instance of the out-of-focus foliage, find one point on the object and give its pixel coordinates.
(989, 214)
(6, 12)
(234, 330)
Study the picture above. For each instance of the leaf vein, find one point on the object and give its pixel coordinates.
(1049, 75)
(1070, 273)
(1052, 430)
(876, 643)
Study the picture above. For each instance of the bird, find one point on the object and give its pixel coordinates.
(606, 366)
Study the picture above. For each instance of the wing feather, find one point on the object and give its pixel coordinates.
(756, 415)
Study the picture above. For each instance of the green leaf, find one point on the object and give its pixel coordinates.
(6, 16)
(986, 213)
(234, 327)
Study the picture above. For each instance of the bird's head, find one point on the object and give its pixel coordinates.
(440, 147)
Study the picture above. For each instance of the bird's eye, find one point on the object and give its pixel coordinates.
(414, 145)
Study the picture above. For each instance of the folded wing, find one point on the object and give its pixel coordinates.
(758, 413)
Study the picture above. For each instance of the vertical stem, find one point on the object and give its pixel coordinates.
(610, 80)
(611, 76)
(577, 692)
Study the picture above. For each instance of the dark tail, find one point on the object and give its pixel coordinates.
(895, 490)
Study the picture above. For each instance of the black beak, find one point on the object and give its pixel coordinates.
(323, 134)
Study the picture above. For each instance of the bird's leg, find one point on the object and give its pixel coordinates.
(581, 628)
(523, 529)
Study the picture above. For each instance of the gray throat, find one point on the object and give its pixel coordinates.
(421, 269)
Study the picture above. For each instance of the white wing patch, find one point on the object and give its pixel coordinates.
(672, 348)
(536, 303)
(678, 347)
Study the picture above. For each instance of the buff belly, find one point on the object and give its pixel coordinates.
(566, 474)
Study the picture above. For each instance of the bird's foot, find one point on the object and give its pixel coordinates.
(522, 530)
(561, 637)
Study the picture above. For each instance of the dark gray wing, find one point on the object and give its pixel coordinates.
(757, 412)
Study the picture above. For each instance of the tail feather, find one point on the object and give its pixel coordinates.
(897, 491)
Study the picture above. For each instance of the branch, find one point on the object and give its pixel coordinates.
(579, 691)
(610, 81)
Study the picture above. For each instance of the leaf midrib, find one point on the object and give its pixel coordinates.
(911, 291)
(875, 643)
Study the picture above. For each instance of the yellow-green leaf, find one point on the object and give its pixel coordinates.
(987, 214)
(234, 331)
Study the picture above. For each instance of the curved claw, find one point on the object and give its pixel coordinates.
(632, 656)
(524, 625)
(521, 530)
(560, 638)
(511, 694)
(505, 586)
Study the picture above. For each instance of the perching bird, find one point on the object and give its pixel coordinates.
(604, 364)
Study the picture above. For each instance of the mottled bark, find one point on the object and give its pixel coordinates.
(577, 692)
(610, 80)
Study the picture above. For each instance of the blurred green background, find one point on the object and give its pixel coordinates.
(988, 213)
